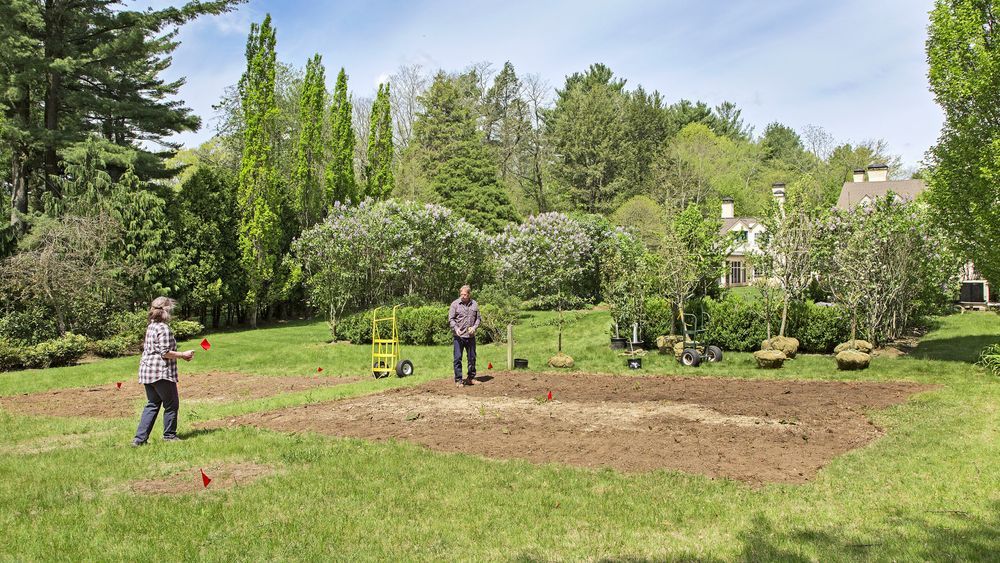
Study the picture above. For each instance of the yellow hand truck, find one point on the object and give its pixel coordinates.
(385, 346)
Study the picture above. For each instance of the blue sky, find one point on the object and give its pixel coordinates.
(856, 68)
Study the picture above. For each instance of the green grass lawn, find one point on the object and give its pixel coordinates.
(928, 490)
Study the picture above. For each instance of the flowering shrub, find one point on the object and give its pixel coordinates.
(379, 251)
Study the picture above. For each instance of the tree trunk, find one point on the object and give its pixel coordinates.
(784, 315)
(53, 96)
(253, 315)
(19, 170)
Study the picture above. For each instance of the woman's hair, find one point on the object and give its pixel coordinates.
(159, 310)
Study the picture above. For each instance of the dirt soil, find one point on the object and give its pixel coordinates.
(108, 401)
(752, 430)
(222, 475)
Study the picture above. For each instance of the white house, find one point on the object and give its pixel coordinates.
(866, 186)
(739, 271)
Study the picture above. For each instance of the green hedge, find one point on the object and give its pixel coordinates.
(426, 325)
(61, 351)
(738, 324)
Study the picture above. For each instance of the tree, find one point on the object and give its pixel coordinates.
(781, 142)
(451, 154)
(340, 182)
(787, 241)
(963, 51)
(380, 147)
(644, 218)
(258, 199)
(588, 134)
(543, 257)
(309, 201)
(628, 277)
(72, 68)
(62, 263)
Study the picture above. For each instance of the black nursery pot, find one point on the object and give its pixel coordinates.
(520, 363)
(619, 343)
(634, 363)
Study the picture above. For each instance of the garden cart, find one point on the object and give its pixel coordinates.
(385, 346)
(697, 348)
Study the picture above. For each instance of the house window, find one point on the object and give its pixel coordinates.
(741, 236)
(736, 273)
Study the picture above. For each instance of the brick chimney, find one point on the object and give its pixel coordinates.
(778, 191)
(859, 174)
(878, 173)
(728, 208)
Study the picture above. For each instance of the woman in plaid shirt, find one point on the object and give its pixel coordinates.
(158, 373)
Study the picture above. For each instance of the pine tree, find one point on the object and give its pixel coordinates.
(309, 201)
(455, 159)
(380, 147)
(258, 200)
(73, 68)
(340, 183)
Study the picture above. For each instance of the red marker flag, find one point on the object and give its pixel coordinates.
(319, 370)
(550, 396)
(205, 478)
(489, 365)
(119, 384)
(204, 344)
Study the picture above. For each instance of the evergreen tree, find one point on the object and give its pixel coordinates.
(340, 182)
(588, 133)
(380, 147)
(455, 159)
(258, 199)
(71, 68)
(309, 202)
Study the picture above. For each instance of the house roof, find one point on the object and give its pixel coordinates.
(854, 192)
(728, 224)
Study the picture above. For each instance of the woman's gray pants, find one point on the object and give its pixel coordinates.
(160, 392)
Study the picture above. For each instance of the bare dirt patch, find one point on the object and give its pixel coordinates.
(108, 401)
(223, 475)
(756, 431)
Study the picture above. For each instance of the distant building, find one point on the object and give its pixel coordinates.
(746, 230)
(868, 185)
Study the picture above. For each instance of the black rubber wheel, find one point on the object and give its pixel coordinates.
(379, 374)
(691, 358)
(404, 368)
(713, 354)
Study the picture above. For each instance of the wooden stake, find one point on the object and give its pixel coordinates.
(510, 346)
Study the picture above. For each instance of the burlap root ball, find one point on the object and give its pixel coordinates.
(785, 344)
(850, 360)
(561, 360)
(862, 346)
(770, 359)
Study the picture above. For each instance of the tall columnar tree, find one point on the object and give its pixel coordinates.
(963, 49)
(340, 182)
(309, 200)
(258, 198)
(380, 147)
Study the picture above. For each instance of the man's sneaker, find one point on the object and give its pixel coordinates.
(459, 383)
(172, 439)
(137, 442)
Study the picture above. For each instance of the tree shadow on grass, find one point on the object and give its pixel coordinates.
(958, 349)
(931, 535)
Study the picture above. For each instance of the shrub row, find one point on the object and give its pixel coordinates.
(60, 351)
(69, 348)
(428, 325)
(739, 324)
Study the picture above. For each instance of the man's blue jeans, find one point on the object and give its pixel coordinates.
(469, 345)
